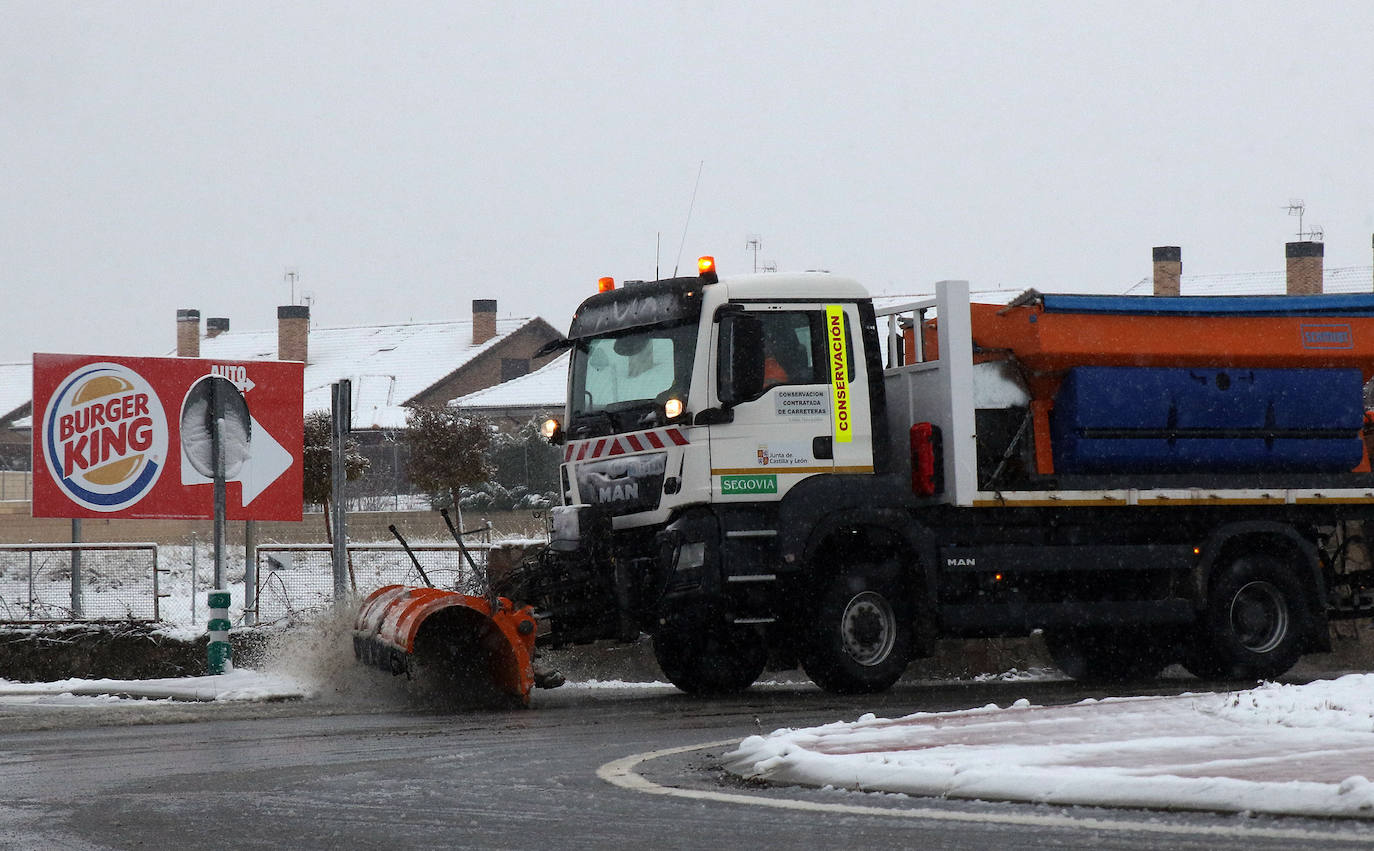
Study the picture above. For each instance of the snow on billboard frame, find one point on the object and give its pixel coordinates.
(107, 442)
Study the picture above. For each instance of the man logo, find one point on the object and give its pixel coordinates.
(105, 437)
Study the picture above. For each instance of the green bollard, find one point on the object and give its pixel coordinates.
(221, 655)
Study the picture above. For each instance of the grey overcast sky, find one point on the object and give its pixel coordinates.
(406, 158)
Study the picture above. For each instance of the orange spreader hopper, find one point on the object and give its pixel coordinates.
(1050, 334)
(463, 649)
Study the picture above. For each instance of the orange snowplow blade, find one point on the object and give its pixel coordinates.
(455, 643)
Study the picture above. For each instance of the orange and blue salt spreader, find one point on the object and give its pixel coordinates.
(1173, 384)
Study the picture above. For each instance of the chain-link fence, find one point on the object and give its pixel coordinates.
(299, 579)
(524, 474)
(114, 582)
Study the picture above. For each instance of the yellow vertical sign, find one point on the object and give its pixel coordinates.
(838, 355)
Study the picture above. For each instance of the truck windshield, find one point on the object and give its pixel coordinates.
(620, 381)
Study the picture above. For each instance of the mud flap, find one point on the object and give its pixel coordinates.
(456, 646)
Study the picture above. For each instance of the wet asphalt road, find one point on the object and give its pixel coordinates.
(371, 773)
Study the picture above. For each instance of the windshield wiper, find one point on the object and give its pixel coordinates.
(619, 417)
(590, 424)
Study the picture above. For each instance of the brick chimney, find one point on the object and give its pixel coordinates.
(188, 333)
(1304, 267)
(483, 320)
(214, 326)
(1168, 269)
(293, 332)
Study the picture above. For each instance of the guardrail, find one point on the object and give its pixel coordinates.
(298, 580)
(76, 582)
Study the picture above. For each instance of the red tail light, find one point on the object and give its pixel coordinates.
(927, 468)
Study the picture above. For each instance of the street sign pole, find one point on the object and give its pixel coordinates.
(217, 454)
(219, 651)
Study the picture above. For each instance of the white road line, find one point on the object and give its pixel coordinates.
(621, 772)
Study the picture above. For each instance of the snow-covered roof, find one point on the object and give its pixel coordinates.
(16, 386)
(1343, 279)
(546, 387)
(388, 364)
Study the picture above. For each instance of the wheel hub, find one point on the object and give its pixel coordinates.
(1259, 617)
(868, 628)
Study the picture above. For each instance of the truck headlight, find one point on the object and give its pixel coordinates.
(552, 430)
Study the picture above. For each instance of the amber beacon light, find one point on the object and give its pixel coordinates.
(605, 285)
(706, 270)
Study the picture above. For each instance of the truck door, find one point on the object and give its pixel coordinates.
(851, 422)
(780, 437)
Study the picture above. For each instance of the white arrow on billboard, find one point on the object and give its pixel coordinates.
(267, 460)
(234, 374)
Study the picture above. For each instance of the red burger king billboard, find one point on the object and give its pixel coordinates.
(107, 439)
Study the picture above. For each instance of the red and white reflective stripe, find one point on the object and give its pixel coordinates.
(640, 441)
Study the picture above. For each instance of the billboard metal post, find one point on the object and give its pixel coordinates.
(250, 572)
(341, 403)
(76, 568)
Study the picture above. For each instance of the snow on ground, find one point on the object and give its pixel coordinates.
(1292, 749)
(237, 685)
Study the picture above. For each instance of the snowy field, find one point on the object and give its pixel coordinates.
(1289, 749)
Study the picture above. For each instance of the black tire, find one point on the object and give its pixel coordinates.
(1256, 623)
(859, 640)
(1106, 655)
(711, 660)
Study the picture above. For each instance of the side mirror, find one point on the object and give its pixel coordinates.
(739, 374)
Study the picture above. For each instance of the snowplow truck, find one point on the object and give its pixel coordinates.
(775, 467)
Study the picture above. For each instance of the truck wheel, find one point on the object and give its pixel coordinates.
(714, 660)
(860, 639)
(1105, 656)
(1256, 623)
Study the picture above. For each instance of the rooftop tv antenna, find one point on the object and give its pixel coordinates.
(291, 277)
(754, 244)
(1296, 207)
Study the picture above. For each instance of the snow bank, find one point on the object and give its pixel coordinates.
(1279, 749)
(238, 685)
